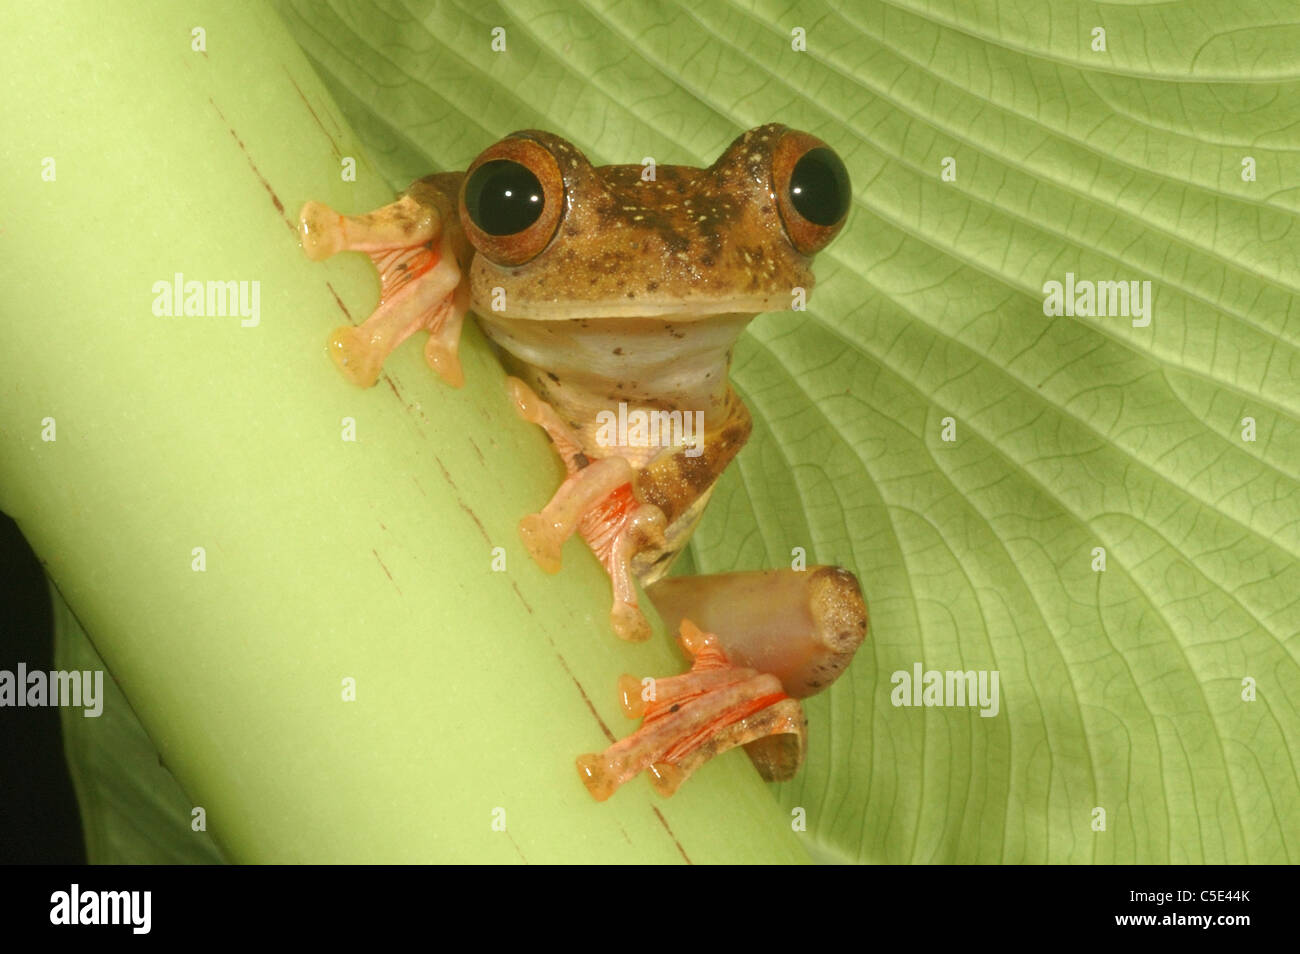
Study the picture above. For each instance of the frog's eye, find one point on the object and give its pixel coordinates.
(812, 189)
(511, 200)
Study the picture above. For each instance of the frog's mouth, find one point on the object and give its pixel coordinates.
(676, 311)
(536, 294)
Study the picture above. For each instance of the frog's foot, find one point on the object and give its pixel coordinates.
(545, 532)
(421, 284)
(404, 223)
(690, 718)
(616, 530)
(803, 626)
(597, 501)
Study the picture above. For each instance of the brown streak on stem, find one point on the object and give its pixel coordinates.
(516, 844)
(663, 821)
(275, 199)
(463, 506)
(521, 597)
(342, 306)
(333, 144)
(582, 692)
(386, 573)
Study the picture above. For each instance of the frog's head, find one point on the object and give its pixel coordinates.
(565, 239)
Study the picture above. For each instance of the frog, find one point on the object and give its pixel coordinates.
(622, 290)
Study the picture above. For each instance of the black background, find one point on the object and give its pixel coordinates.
(39, 822)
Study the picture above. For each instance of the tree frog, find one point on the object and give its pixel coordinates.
(614, 295)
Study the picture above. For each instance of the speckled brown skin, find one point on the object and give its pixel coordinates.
(674, 482)
(680, 486)
(694, 241)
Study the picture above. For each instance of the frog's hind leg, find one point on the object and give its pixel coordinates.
(616, 529)
(596, 500)
(764, 640)
(414, 246)
(803, 626)
(690, 718)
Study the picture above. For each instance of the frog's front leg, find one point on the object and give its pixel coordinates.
(422, 255)
(596, 501)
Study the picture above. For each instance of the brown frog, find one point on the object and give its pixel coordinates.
(614, 295)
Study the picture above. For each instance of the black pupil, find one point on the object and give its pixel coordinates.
(819, 187)
(503, 197)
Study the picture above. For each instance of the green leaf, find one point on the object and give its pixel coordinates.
(1120, 690)
(132, 810)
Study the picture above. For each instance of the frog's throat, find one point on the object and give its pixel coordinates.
(586, 366)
